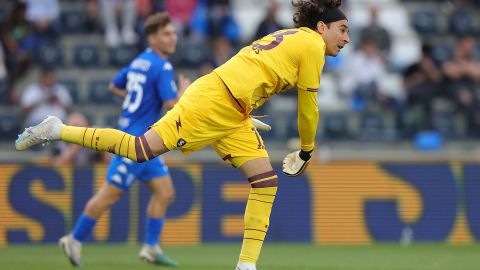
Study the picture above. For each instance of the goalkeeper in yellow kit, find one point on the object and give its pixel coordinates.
(215, 109)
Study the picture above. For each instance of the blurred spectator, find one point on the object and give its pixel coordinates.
(71, 154)
(220, 20)
(361, 77)
(43, 15)
(221, 51)
(115, 36)
(181, 12)
(4, 94)
(18, 42)
(422, 83)
(269, 24)
(3, 66)
(44, 98)
(145, 8)
(93, 22)
(376, 33)
(463, 75)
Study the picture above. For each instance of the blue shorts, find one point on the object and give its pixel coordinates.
(122, 172)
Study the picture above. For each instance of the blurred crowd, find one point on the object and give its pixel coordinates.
(391, 95)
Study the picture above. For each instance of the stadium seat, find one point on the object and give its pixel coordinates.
(49, 54)
(98, 92)
(72, 87)
(192, 54)
(292, 127)
(335, 126)
(86, 56)
(4, 95)
(73, 21)
(394, 18)
(371, 126)
(392, 85)
(425, 21)
(122, 56)
(9, 127)
(442, 52)
(4, 12)
(405, 51)
(461, 22)
(445, 124)
(328, 98)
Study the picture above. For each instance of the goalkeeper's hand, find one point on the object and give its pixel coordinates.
(259, 125)
(295, 163)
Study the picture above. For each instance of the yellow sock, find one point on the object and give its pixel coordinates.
(257, 215)
(108, 140)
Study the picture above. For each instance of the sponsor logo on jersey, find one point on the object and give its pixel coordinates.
(167, 66)
(178, 123)
(181, 142)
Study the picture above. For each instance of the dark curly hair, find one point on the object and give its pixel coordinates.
(308, 11)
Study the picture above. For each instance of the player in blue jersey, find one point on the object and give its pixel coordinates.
(147, 86)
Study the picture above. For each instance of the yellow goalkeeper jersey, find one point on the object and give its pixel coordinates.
(276, 63)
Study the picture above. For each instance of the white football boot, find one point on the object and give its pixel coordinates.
(245, 266)
(72, 249)
(155, 255)
(48, 130)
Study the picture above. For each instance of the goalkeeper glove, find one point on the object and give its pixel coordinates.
(296, 162)
(259, 125)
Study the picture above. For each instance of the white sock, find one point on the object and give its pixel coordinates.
(245, 266)
(56, 131)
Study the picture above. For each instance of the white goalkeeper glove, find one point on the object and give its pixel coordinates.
(295, 163)
(259, 125)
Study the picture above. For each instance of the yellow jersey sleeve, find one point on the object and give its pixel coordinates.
(309, 73)
(310, 66)
(307, 118)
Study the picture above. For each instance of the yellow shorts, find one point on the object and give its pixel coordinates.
(207, 114)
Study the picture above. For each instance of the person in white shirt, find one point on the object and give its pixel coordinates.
(361, 76)
(44, 98)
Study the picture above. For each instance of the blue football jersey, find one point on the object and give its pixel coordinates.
(149, 82)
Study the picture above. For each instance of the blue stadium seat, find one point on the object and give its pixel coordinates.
(98, 92)
(371, 126)
(122, 56)
(72, 87)
(86, 56)
(4, 12)
(4, 95)
(192, 54)
(442, 52)
(73, 21)
(461, 22)
(292, 127)
(49, 54)
(444, 122)
(9, 127)
(425, 21)
(477, 51)
(335, 126)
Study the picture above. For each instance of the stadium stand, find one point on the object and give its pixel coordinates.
(86, 64)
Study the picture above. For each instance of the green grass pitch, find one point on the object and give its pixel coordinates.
(274, 257)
